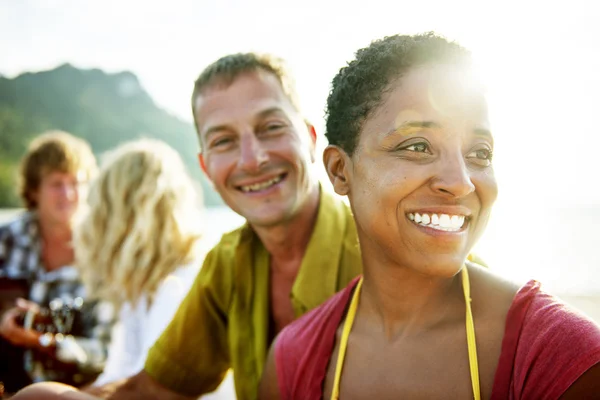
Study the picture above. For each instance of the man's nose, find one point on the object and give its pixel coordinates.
(253, 155)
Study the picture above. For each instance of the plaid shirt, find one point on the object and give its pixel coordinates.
(20, 258)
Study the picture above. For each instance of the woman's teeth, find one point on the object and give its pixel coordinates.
(442, 222)
(261, 185)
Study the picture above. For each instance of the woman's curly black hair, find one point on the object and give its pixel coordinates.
(358, 88)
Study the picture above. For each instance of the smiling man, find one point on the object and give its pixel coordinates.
(299, 245)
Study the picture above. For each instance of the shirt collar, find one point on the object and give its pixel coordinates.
(317, 278)
(319, 271)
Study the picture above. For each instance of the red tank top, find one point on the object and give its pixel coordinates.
(546, 347)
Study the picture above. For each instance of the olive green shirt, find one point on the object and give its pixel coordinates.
(224, 320)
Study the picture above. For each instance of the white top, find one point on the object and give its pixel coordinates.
(139, 327)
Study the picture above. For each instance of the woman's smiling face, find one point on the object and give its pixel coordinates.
(421, 182)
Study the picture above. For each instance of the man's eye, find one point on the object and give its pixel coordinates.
(274, 126)
(418, 148)
(220, 142)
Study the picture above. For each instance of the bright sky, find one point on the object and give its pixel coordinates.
(540, 59)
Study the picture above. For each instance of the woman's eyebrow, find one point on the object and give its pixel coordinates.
(410, 127)
(483, 132)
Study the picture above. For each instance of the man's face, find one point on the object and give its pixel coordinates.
(421, 182)
(58, 196)
(256, 148)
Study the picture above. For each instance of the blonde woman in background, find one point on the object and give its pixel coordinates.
(139, 247)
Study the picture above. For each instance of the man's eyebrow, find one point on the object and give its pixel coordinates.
(270, 111)
(214, 129)
(262, 114)
(410, 127)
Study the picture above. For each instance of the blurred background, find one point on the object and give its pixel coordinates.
(111, 71)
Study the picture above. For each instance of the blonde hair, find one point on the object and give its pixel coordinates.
(141, 223)
(53, 151)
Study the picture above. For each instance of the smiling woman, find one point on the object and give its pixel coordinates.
(411, 148)
(426, 155)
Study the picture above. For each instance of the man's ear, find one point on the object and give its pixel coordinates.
(203, 164)
(312, 132)
(338, 166)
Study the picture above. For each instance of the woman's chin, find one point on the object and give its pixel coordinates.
(443, 267)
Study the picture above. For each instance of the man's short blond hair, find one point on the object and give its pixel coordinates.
(228, 68)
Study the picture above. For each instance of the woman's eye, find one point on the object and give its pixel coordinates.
(481, 157)
(418, 147)
(481, 154)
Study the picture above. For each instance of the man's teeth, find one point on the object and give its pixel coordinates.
(261, 185)
(442, 222)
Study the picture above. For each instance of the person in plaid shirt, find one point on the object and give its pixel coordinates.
(36, 249)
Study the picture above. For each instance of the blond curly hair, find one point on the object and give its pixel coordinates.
(141, 223)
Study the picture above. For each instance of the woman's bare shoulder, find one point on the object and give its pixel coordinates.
(490, 291)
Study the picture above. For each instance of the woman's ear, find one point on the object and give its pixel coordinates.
(338, 167)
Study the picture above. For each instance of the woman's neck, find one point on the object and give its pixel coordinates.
(401, 301)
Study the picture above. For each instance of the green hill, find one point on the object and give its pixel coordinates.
(105, 109)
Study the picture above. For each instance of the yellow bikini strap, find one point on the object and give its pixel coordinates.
(335, 394)
(471, 342)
